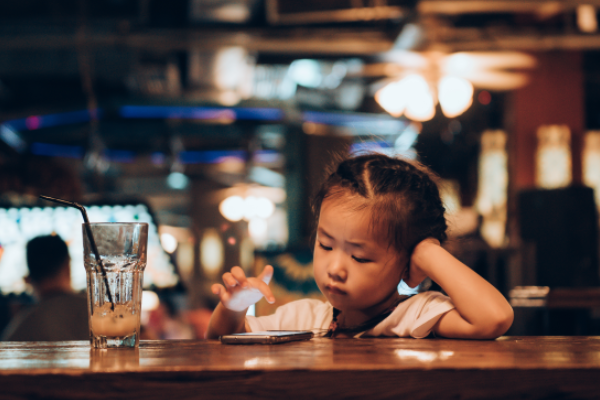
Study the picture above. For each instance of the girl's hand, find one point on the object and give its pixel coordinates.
(241, 292)
(415, 274)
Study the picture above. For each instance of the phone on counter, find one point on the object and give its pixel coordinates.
(266, 337)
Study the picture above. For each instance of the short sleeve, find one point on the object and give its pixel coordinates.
(414, 317)
(306, 314)
(436, 307)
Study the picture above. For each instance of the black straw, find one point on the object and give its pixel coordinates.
(88, 229)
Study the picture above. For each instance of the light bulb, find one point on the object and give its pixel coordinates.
(392, 98)
(264, 207)
(455, 94)
(257, 228)
(168, 242)
(232, 208)
(421, 104)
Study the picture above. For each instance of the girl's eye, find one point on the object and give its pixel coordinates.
(324, 247)
(361, 260)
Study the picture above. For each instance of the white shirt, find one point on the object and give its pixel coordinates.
(414, 317)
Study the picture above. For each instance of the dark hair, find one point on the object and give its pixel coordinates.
(403, 197)
(46, 256)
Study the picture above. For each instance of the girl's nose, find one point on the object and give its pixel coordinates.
(337, 271)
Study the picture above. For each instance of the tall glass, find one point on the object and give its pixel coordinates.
(122, 248)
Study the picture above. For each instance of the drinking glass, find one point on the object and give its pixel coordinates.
(114, 290)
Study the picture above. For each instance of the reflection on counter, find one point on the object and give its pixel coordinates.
(114, 359)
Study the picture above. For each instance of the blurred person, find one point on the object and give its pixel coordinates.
(60, 313)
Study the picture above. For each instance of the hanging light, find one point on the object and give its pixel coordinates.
(264, 207)
(416, 99)
(257, 228)
(392, 98)
(232, 208)
(250, 207)
(586, 18)
(168, 242)
(211, 251)
(411, 96)
(455, 95)
(421, 106)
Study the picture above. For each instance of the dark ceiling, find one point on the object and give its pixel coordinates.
(67, 55)
(63, 56)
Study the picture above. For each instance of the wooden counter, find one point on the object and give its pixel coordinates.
(508, 368)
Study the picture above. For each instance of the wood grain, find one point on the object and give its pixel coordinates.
(507, 368)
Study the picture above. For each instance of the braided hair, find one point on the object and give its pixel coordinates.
(402, 196)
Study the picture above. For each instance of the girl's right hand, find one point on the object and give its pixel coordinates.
(241, 292)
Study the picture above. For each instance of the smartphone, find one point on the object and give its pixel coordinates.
(266, 337)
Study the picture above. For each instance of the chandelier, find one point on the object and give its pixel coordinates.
(415, 82)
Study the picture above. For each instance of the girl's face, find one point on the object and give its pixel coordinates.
(357, 271)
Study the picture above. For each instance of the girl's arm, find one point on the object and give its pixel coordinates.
(237, 294)
(481, 311)
(224, 322)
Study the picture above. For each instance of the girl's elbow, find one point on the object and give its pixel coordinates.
(499, 324)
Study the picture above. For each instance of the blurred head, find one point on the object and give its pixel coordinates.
(47, 258)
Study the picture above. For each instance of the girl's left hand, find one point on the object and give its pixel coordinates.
(415, 274)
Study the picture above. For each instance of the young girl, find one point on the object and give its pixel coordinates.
(380, 221)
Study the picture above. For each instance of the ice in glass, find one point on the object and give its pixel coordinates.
(115, 291)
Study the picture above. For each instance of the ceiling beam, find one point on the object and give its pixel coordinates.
(322, 41)
(455, 39)
(457, 7)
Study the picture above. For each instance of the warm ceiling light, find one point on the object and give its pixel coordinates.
(455, 95)
(232, 208)
(168, 242)
(586, 18)
(264, 207)
(463, 64)
(150, 300)
(258, 207)
(257, 228)
(211, 252)
(392, 98)
(411, 96)
(421, 106)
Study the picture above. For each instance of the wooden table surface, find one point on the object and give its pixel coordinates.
(507, 368)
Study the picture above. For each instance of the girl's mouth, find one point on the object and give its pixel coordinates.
(334, 290)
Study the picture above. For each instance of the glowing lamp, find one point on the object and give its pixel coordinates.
(392, 98)
(411, 96)
(150, 300)
(168, 242)
(455, 95)
(421, 106)
(232, 208)
(257, 228)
